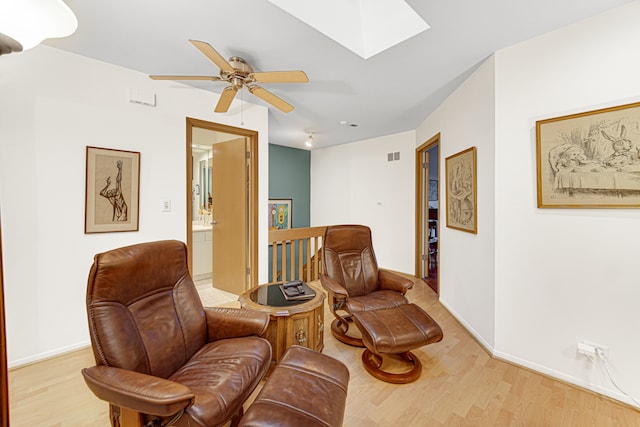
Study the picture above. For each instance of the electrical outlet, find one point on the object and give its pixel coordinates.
(165, 206)
(589, 348)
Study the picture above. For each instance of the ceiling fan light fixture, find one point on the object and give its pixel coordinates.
(26, 23)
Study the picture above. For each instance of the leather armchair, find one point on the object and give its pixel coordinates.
(353, 280)
(161, 357)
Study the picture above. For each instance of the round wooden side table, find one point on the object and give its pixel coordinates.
(291, 322)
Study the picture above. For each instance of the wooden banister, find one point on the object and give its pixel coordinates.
(295, 254)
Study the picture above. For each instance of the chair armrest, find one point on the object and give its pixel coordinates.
(393, 281)
(139, 392)
(333, 286)
(225, 322)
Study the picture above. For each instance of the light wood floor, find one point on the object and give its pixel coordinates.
(461, 385)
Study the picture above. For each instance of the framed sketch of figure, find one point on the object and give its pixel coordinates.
(461, 202)
(112, 190)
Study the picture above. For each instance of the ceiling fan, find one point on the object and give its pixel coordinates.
(239, 74)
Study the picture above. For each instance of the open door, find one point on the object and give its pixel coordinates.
(233, 202)
(229, 213)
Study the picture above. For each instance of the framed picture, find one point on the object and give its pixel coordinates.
(279, 214)
(112, 190)
(462, 211)
(590, 160)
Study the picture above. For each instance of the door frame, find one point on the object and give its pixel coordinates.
(420, 190)
(252, 211)
(4, 387)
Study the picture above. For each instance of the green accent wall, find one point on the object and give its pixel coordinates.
(290, 178)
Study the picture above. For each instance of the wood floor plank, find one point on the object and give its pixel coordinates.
(461, 385)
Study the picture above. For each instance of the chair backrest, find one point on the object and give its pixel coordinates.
(349, 258)
(144, 311)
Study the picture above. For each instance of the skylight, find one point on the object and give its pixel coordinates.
(366, 27)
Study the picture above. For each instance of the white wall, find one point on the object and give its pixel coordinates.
(466, 119)
(536, 281)
(52, 105)
(563, 275)
(355, 184)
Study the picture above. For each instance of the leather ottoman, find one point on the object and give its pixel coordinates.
(396, 330)
(306, 388)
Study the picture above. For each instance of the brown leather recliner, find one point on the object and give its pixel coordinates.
(353, 280)
(159, 354)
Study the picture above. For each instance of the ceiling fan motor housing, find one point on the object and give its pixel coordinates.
(240, 75)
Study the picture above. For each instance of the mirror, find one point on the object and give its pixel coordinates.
(201, 193)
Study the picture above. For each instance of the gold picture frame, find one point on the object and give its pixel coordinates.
(589, 159)
(112, 190)
(461, 186)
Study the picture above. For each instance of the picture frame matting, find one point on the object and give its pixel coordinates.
(112, 190)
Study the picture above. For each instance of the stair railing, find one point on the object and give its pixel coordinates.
(296, 254)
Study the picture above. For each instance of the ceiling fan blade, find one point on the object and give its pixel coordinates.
(269, 97)
(226, 97)
(212, 78)
(295, 76)
(213, 55)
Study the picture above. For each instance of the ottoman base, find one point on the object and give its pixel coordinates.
(339, 332)
(372, 363)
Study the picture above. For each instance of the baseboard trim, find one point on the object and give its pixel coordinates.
(26, 361)
(600, 391)
(484, 344)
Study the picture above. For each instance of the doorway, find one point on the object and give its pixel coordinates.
(428, 212)
(222, 200)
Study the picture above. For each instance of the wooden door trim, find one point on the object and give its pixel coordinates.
(434, 140)
(252, 135)
(4, 412)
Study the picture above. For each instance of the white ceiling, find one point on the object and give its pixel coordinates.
(391, 92)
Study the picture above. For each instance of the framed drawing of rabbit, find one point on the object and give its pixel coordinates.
(590, 159)
(112, 190)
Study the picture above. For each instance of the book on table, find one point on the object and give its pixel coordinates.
(296, 290)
